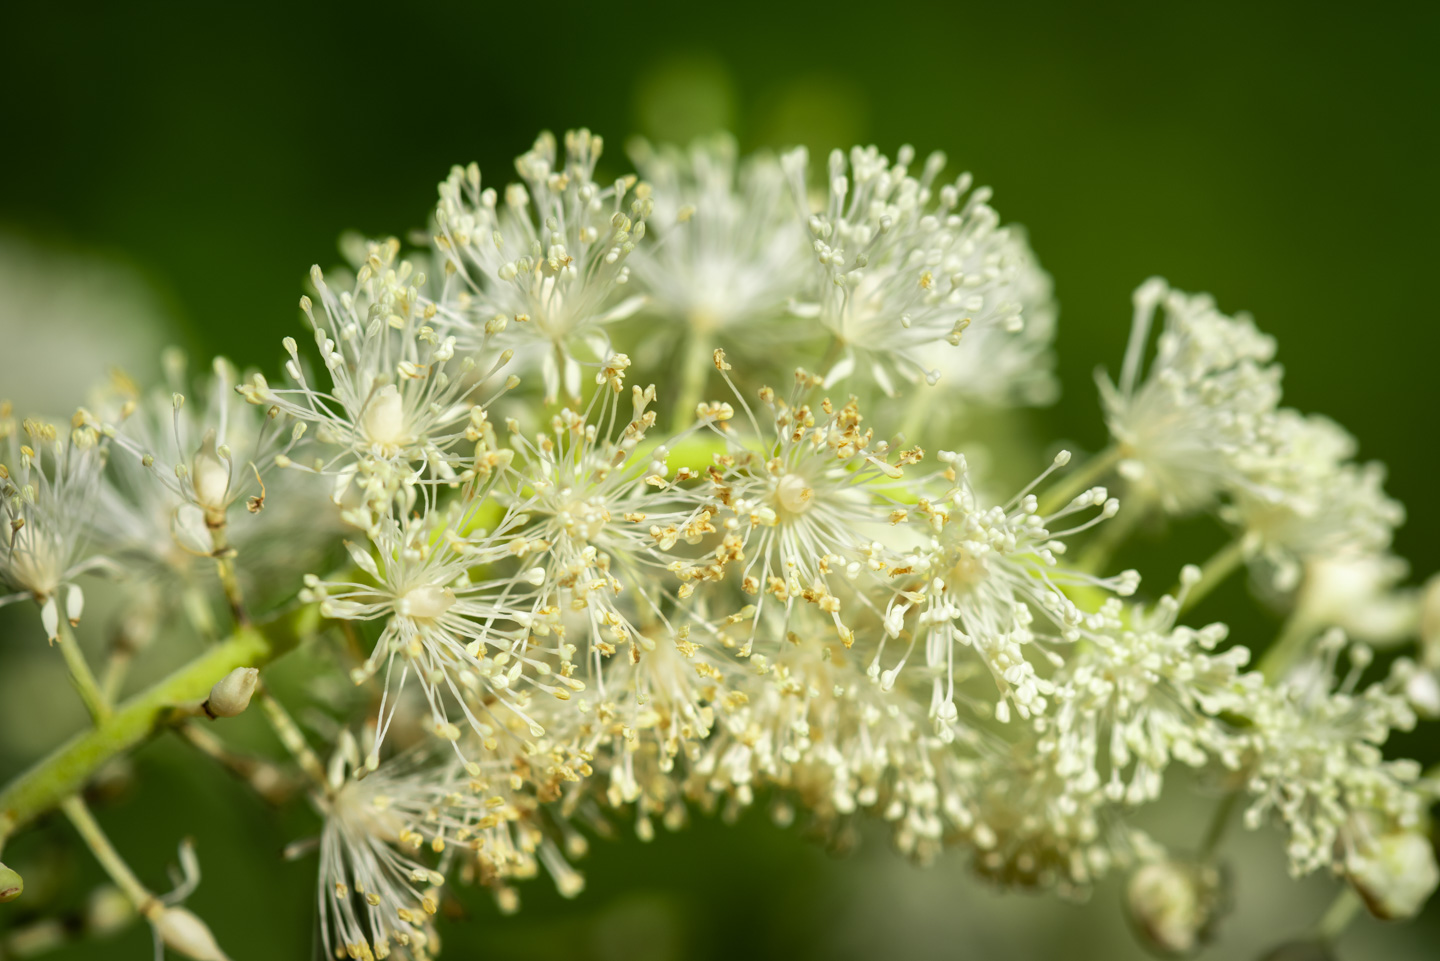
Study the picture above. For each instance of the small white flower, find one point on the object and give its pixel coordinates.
(1190, 423)
(902, 268)
(549, 266)
(993, 579)
(729, 252)
(398, 403)
(1310, 501)
(1359, 593)
(997, 365)
(48, 485)
(802, 497)
(1314, 756)
(464, 640)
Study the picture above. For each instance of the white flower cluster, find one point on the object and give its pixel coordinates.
(581, 596)
(1203, 428)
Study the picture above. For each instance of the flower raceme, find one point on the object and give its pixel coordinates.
(590, 570)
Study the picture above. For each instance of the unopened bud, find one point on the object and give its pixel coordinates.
(11, 884)
(210, 476)
(1174, 905)
(231, 694)
(182, 931)
(107, 911)
(1395, 874)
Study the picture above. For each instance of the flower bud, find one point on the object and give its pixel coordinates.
(11, 884)
(107, 911)
(231, 694)
(1395, 874)
(1174, 905)
(211, 480)
(182, 931)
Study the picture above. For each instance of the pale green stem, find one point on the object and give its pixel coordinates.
(80, 674)
(832, 354)
(106, 854)
(1219, 821)
(1296, 633)
(1339, 915)
(694, 373)
(918, 412)
(1079, 480)
(262, 777)
(71, 765)
(225, 565)
(1113, 533)
(117, 665)
(1213, 573)
(289, 734)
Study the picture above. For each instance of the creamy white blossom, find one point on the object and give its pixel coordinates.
(548, 266)
(728, 253)
(1190, 424)
(1312, 501)
(642, 601)
(48, 482)
(903, 267)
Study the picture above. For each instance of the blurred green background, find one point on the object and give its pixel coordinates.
(1282, 157)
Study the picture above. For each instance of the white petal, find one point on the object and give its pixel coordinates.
(74, 603)
(50, 617)
(363, 560)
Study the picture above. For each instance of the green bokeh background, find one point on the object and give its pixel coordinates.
(1282, 157)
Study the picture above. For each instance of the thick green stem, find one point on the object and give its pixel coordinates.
(1220, 566)
(70, 766)
(80, 673)
(1079, 480)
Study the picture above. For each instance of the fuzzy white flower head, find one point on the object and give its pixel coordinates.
(1190, 423)
(48, 484)
(184, 462)
(548, 266)
(603, 524)
(399, 402)
(465, 640)
(998, 365)
(378, 892)
(811, 721)
(1137, 697)
(1310, 500)
(993, 579)
(729, 251)
(802, 496)
(1315, 760)
(1359, 593)
(903, 268)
